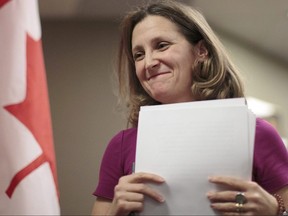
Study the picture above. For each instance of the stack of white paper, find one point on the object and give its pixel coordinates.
(185, 143)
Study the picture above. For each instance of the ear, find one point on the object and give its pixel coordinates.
(201, 51)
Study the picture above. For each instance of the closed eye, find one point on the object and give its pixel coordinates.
(138, 56)
(163, 46)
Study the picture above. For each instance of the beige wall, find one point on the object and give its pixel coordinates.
(265, 77)
(79, 60)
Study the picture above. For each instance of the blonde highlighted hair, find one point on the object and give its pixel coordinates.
(214, 78)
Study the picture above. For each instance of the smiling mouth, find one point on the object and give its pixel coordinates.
(156, 75)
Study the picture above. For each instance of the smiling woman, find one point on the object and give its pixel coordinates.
(169, 54)
(161, 54)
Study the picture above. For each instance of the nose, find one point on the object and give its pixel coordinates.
(151, 62)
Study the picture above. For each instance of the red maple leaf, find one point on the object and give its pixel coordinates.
(34, 113)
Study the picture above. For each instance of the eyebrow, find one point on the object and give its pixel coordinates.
(136, 48)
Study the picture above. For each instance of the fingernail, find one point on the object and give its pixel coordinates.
(211, 178)
(161, 199)
(210, 195)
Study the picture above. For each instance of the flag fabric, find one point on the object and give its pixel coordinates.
(28, 180)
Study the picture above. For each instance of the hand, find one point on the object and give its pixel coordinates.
(258, 201)
(130, 191)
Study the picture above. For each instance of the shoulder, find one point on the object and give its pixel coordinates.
(264, 131)
(124, 139)
(270, 157)
(263, 126)
(124, 136)
(129, 133)
(267, 138)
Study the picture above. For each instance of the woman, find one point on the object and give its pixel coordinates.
(169, 54)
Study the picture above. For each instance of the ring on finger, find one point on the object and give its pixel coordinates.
(239, 207)
(240, 200)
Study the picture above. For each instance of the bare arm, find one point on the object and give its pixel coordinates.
(101, 206)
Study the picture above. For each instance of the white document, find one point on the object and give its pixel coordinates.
(188, 142)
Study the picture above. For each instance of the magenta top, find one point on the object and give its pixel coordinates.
(270, 163)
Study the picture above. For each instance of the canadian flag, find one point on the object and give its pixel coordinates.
(28, 180)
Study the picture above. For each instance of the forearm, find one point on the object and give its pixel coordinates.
(101, 207)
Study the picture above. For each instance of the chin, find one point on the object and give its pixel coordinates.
(163, 99)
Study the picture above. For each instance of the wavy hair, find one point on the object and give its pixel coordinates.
(214, 78)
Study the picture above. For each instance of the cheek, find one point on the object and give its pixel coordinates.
(140, 73)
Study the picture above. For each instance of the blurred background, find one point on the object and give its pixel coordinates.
(80, 40)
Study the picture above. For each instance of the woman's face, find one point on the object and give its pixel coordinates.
(164, 60)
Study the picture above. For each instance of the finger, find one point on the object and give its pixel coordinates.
(136, 206)
(229, 208)
(147, 190)
(141, 177)
(124, 207)
(224, 207)
(222, 196)
(147, 177)
(234, 214)
(134, 197)
(126, 202)
(226, 201)
(236, 183)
